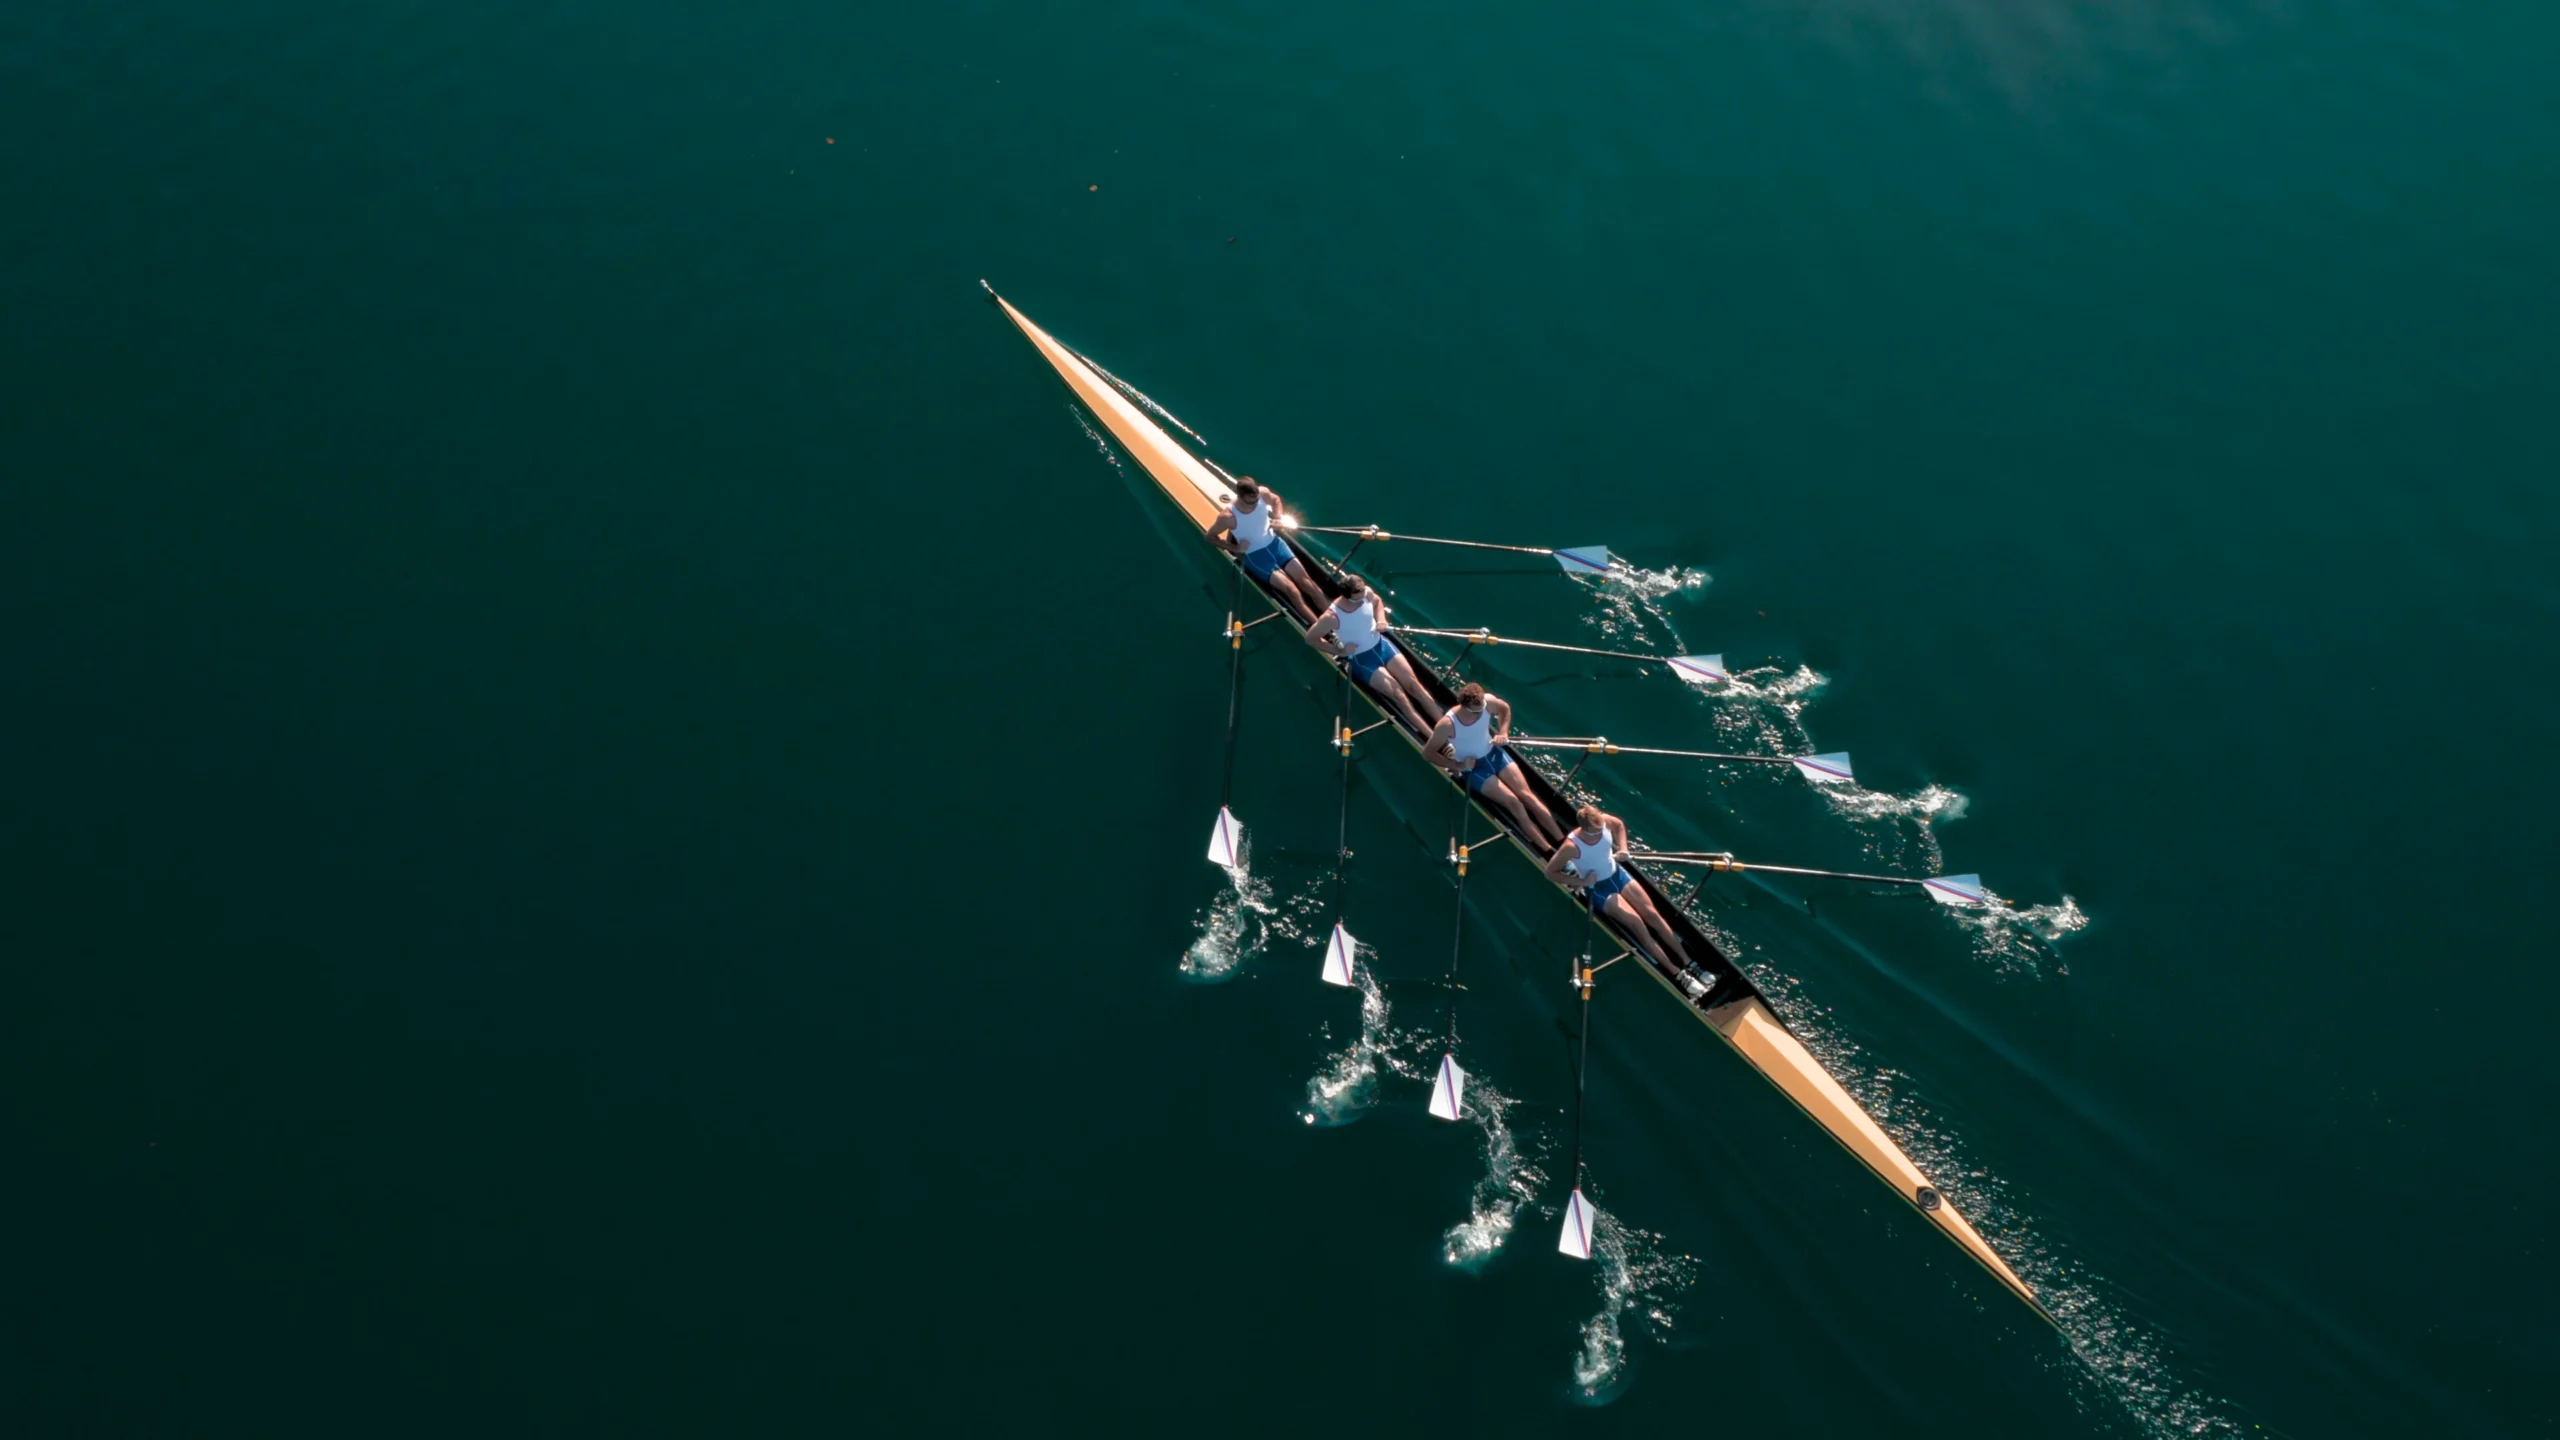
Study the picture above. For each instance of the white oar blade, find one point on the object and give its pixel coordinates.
(1337, 956)
(1576, 1239)
(1957, 890)
(1586, 560)
(1825, 769)
(1700, 669)
(1449, 1091)
(1226, 839)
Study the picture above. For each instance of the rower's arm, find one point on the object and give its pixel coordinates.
(1222, 527)
(1440, 737)
(1322, 630)
(1561, 861)
(1618, 837)
(1501, 709)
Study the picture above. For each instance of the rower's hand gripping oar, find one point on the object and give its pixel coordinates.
(1832, 769)
(1590, 560)
(1696, 669)
(1954, 891)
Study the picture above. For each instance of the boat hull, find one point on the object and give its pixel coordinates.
(1729, 1004)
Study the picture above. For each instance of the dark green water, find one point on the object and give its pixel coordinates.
(605, 793)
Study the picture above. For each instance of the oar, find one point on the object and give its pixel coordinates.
(1832, 769)
(1226, 838)
(1696, 669)
(1449, 1087)
(1580, 560)
(1340, 948)
(1575, 1240)
(1945, 889)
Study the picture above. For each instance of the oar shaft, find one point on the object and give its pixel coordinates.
(1597, 746)
(1372, 532)
(1727, 862)
(1487, 637)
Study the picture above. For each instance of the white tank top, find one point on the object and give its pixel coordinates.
(1357, 629)
(1471, 742)
(1592, 860)
(1253, 527)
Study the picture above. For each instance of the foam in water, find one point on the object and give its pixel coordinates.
(2025, 938)
(1925, 809)
(1235, 927)
(1638, 1279)
(1509, 1183)
(1346, 1084)
(1629, 599)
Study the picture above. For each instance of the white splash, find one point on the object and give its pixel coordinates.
(1639, 1278)
(1926, 808)
(2023, 938)
(1629, 598)
(1764, 707)
(1510, 1181)
(1235, 927)
(1346, 1084)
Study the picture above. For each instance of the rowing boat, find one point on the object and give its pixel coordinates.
(1715, 989)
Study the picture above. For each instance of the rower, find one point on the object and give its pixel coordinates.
(1350, 630)
(1468, 744)
(1244, 529)
(1587, 861)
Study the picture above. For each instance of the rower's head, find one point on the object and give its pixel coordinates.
(1248, 494)
(1355, 592)
(1592, 817)
(1471, 697)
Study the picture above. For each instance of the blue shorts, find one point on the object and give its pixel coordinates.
(1599, 894)
(1370, 661)
(1488, 765)
(1270, 560)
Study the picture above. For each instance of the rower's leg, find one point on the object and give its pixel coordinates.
(1625, 914)
(1501, 795)
(1645, 907)
(1506, 787)
(1395, 681)
(1534, 816)
(1301, 590)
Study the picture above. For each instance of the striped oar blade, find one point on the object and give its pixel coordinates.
(1337, 956)
(1700, 669)
(1576, 1239)
(1226, 839)
(1957, 890)
(1449, 1090)
(1586, 560)
(1830, 769)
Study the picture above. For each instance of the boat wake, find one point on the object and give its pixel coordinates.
(2124, 1369)
(1346, 1084)
(1640, 1288)
(1096, 437)
(1628, 601)
(1509, 1184)
(1236, 927)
